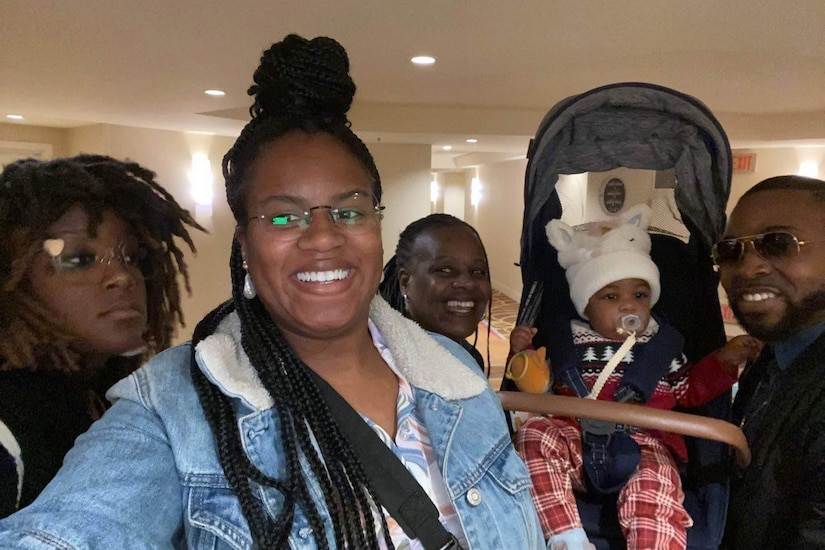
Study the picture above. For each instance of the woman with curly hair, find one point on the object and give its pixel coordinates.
(88, 289)
(229, 442)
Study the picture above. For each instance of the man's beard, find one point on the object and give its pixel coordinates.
(797, 317)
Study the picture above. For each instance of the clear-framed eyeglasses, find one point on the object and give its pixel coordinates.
(355, 212)
(82, 263)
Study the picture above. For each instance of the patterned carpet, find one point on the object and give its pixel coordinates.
(503, 320)
(505, 311)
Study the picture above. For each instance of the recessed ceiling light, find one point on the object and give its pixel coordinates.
(216, 93)
(472, 140)
(14, 117)
(447, 147)
(423, 60)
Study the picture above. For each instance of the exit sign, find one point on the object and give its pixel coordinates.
(744, 162)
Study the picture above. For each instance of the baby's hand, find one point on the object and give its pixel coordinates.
(739, 350)
(521, 337)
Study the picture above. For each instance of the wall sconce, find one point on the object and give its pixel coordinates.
(809, 168)
(200, 180)
(434, 190)
(475, 192)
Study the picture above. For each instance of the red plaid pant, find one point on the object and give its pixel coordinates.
(651, 513)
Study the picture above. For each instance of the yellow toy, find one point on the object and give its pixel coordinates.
(530, 371)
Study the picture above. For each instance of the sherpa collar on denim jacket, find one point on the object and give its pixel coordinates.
(419, 358)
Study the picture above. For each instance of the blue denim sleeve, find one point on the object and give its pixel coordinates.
(482, 458)
(118, 488)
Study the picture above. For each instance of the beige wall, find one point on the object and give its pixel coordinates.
(169, 155)
(454, 193)
(405, 179)
(572, 190)
(88, 139)
(58, 138)
(498, 220)
(774, 161)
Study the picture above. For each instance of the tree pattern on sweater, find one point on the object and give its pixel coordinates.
(685, 384)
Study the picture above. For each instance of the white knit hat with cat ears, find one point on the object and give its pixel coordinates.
(592, 262)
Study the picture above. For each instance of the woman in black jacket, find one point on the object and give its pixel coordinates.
(89, 275)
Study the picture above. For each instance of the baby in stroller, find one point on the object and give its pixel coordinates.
(613, 284)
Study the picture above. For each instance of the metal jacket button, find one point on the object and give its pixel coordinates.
(474, 497)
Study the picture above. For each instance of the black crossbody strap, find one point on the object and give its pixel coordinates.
(396, 488)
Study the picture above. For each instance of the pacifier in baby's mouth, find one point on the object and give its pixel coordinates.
(631, 323)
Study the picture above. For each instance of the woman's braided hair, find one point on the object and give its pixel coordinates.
(390, 289)
(33, 196)
(301, 85)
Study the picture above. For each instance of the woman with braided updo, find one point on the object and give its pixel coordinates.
(228, 442)
(89, 266)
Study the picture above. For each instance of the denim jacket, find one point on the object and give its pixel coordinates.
(147, 475)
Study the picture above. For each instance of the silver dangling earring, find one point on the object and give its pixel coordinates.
(406, 302)
(249, 291)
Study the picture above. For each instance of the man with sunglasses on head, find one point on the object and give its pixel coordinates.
(772, 265)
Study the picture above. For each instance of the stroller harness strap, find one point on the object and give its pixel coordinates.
(651, 362)
(609, 454)
(611, 366)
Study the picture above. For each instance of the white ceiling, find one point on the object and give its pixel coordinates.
(758, 64)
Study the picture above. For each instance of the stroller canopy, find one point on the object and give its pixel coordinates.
(642, 127)
(632, 125)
